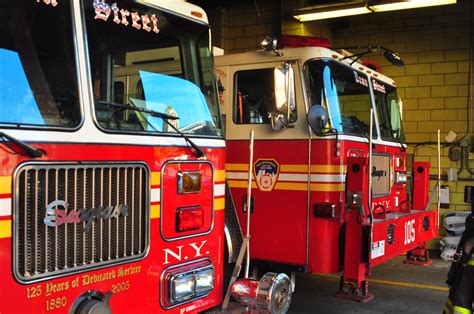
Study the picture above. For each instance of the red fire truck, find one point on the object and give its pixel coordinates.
(112, 158)
(331, 195)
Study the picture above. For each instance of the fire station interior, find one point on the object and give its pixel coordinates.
(434, 42)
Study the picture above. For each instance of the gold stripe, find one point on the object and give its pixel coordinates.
(393, 283)
(5, 185)
(314, 168)
(328, 168)
(155, 178)
(315, 187)
(236, 167)
(291, 186)
(325, 187)
(294, 168)
(5, 228)
(471, 262)
(155, 211)
(240, 184)
(219, 203)
(461, 310)
(219, 175)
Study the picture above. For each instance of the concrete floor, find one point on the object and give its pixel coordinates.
(398, 288)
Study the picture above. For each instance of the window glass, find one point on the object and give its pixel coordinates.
(152, 60)
(344, 92)
(38, 81)
(255, 97)
(389, 114)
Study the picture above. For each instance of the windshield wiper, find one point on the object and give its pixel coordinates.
(198, 152)
(25, 148)
(399, 140)
(395, 136)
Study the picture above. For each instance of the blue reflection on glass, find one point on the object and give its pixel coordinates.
(17, 104)
(332, 99)
(175, 96)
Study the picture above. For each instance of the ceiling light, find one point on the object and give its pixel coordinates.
(331, 11)
(386, 5)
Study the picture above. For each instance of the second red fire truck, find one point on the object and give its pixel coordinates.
(325, 196)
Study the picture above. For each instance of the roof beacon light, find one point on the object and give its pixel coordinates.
(294, 41)
(270, 43)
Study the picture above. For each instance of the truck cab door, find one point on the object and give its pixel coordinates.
(280, 166)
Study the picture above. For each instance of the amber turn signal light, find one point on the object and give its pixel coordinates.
(189, 182)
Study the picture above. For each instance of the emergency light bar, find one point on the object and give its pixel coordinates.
(294, 41)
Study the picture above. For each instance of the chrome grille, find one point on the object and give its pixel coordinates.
(380, 174)
(42, 251)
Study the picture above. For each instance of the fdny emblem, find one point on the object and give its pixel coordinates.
(266, 174)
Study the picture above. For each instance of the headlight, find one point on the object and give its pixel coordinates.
(190, 283)
(182, 287)
(204, 281)
(400, 177)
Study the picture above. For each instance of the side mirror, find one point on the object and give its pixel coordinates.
(285, 103)
(393, 57)
(318, 119)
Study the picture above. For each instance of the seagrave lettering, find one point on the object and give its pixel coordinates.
(57, 213)
(120, 16)
(378, 173)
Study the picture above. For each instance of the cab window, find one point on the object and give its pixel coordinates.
(344, 92)
(38, 79)
(254, 97)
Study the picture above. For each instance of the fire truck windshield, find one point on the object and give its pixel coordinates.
(38, 81)
(344, 92)
(147, 58)
(388, 110)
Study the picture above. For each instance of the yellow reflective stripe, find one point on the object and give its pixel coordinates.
(219, 203)
(5, 185)
(291, 186)
(294, 168)
(471, 262)
(315, 187)
(219, 175)
(155, 211)
(448, 309)
(324, 187)
(328, 168)
(155, 178)
(5, 228)
(461, 310)
(241, 184)
(314, 168)
(236, 167)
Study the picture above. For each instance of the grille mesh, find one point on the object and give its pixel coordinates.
(42, 251)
